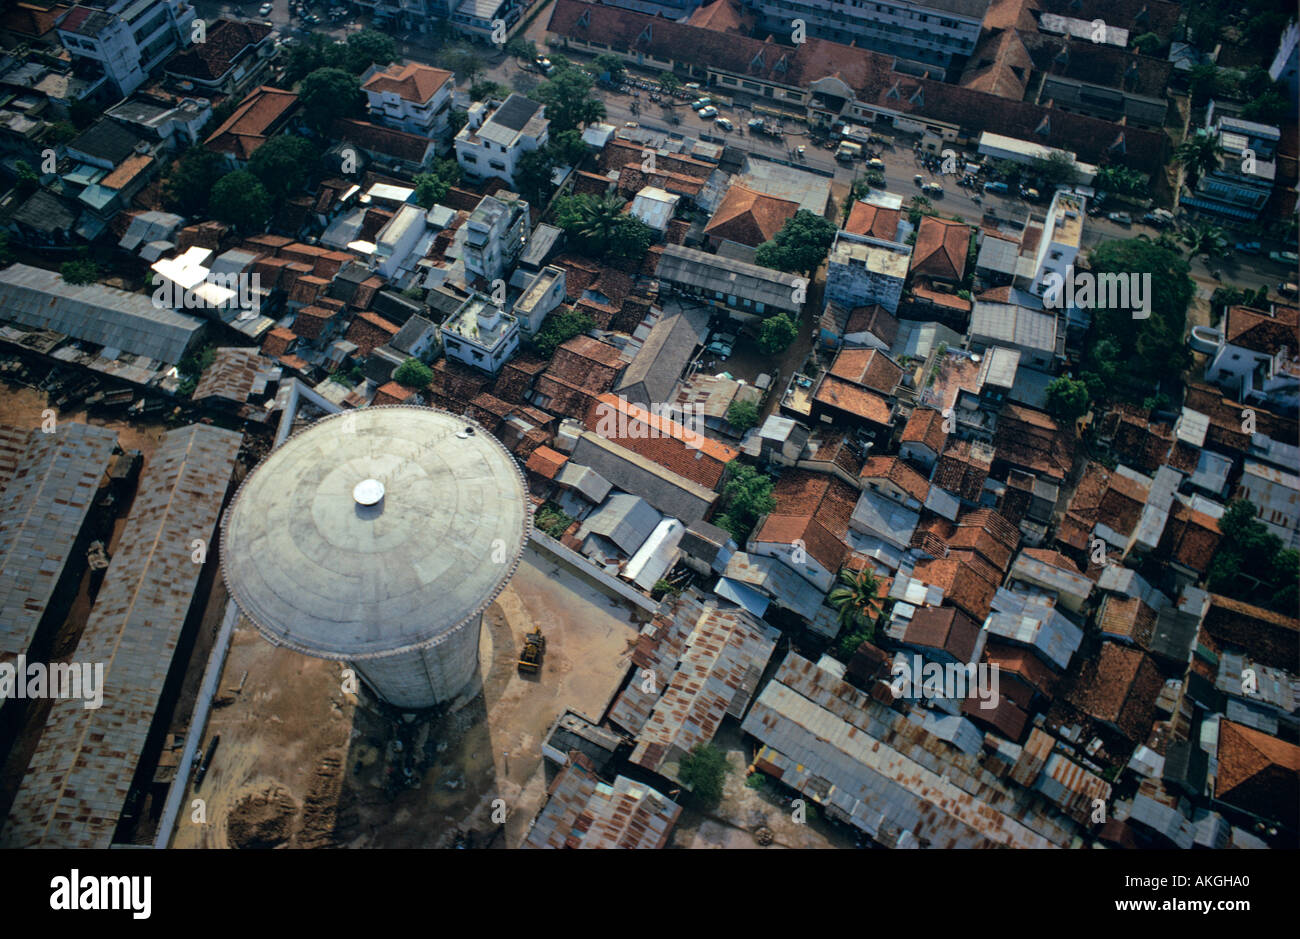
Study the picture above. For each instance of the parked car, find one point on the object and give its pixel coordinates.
(691, 86)
(722, 344)
(1288, 289)
(1249, 247)
(264, 10)
(1120, 218)
(999, 188)
(755, 123)
(1284, 257)
(876, 163)
(725, 124)
(933, 189)
(701, 103)
(918, 180)
(708, 112)
(1159, 218)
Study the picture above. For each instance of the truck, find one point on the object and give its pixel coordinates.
(848, 151)
(530, 659)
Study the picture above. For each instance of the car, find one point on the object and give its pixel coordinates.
(264, 10)
(1287, 289)
(708, 112)
(918, 180)
(755, 123)
(725, 124)
(1030, 195)
(801, 150)
(691, 86)
(701, 103)
(1249, 247)
(999, 188)
(630, 124)
(1284, 257)
(1120, 218)
(876, 163)
(933, 189)
(722, 344)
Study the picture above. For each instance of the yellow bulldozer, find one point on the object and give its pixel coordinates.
(530, 659)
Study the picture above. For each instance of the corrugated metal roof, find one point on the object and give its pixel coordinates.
(41, 513)
(94, 313)
(81, 772)
(583, 812)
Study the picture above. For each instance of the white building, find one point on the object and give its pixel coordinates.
(543, 293)
(928, 31)
(127, 38)
(1286, 64)
(1026, 152)
(1241, 185)
(1257, 360)
(494, 236)
(412, 97)
(490, 144)
(1062, 237)
(480, 334)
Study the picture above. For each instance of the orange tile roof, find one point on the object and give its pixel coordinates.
(1258, 331)
(546, 462)
(899, 473)
(392, 393)
(253, 122)
(129, 169)
(925, 425)
(813, 508)
(873, 220)
(1120, 688)
(870, 368)
(691, 455)
(412, 81)
(749, 217)
(853, 399)
(1258, 772)
(941, 248)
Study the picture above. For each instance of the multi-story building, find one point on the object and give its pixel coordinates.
(127, 38)
(1243, 182)
(1286, 63)
(480, 334)
(412, 97)
(862, 270)
(1256, 358)
(498, 134)
(494, 236)
(233, 55)
(1062, 236)
(932, 32)
(543, 293)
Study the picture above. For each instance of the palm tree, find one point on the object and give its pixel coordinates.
(1204, 238)
(1199, 154)
(857, 599)
(599, 219)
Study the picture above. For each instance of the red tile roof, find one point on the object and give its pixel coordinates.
(813, 508)
(278, 341)
(1257, 331)
(941, 248)
(1119, 687)
(376, 138)
(225, 42)
(1258, 772)
(392, 393)
(961, 470)
(257, 118)
(852, 399)
(1272, 639)
(749, 217)
(946, 628)
(898, 473)
(925, 425)
(370, 330)
(411, 81)
(546, 462)
(687, 453)
(870, 368)
(873, 220)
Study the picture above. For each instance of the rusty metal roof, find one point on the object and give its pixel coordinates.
(81, 772)
(584, 812)
(42, 510)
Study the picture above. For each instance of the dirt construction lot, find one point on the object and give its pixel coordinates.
(302, 762)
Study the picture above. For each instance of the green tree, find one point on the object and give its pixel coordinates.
(466, 63)
(856, 598)
(366, 48)
(61, 133)
(240, 199)
(1203, 82)
(801, 244)
(568, 148)
(608, 62)
(488, 90)
(1147, 44)
(1056, 169)
(284, 164)
(79, 272)
(1269, 107)
(630, 240)
(431, 187)
(1204, 238)
(1199, 154)
(521, 47)
(704, 771)
(533, 175)
(742, 414)
(1121, 179)
(1251, 563)
(1067, 399)
(598, 228)
(559, 328)
(28, 181)
(328, 94)
(776, 334)
(1143, 351)
(413, 374)
(746, 495)
(189, 185)
(919, 206)
(669, 82)
(568, 98)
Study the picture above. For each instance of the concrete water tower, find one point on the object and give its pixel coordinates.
(377, 537)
